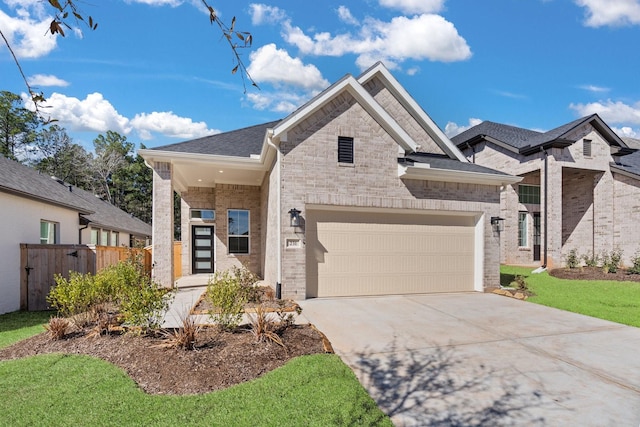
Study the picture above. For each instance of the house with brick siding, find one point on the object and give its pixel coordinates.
(357, 192)
(580, 189)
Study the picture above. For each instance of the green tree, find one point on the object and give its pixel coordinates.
(19, 127)
(64, 159)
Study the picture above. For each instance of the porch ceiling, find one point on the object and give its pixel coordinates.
(189, 174)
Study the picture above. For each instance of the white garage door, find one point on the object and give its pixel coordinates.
(359, 253)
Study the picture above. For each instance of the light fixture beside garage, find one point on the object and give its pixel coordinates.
(497, 223)
(294, 215)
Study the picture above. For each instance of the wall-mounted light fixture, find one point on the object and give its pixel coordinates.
(497, 223)
(295, 217)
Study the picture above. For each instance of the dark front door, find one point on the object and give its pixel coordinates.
(536, 236)
(202, 248)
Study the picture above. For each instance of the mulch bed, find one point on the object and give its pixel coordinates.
(593, 273)
(221, 359)
(264, 297)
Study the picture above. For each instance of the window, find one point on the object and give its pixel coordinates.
(345, 149)
(522, 229)
(238, 233)
(529, 194)
(203, 214)
(49, 232)
(586, 147)
(115, 238)
(95, 236)
(104, 237)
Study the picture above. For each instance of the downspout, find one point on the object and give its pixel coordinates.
(278, 216)
(546, 205)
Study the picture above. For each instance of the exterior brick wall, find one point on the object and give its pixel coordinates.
(311, 175)
(163, 224)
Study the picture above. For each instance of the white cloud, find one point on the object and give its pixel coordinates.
(46, 80)
(263, 14)
(452, 129)
(626, 131)
(169, 124)
(96, 114)
(595, 89)
(27, 35)
(278, 101)
(414, 6)
(420, 37)
(275, 66)
(345, 16)
(610, 111)
(601, 13)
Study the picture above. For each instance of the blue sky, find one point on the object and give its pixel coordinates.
(158, 72)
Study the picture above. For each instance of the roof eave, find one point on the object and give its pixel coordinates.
(30, 196)
(622, 171)
(426, 173)
(211, 159)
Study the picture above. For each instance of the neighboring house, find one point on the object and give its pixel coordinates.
(580, 189)
(357, 192)
(35, 208)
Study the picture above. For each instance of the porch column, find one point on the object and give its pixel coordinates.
(162, 271)
(553, 216)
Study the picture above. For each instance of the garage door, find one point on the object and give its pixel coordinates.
(360, 253)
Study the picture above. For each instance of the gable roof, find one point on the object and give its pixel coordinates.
(23, 181)
(525, 141)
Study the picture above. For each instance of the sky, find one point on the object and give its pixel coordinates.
(157, 71)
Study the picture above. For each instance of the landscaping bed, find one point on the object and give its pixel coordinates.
(220, 358)
(593, 273)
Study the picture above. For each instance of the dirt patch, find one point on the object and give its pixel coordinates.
(593, 273)
(262, 295)
(221, 359)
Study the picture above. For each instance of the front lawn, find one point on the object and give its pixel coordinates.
(21, 324)
(606, 299)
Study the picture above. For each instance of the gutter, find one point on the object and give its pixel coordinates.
(546, 206)
(278, 215)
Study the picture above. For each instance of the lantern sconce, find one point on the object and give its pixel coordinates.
(497, 223)
(295, 217)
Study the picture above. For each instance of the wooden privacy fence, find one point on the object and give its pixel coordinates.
(40, 263)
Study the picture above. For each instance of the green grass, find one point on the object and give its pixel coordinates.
(64, 390)
(605, 299)
(19, 325)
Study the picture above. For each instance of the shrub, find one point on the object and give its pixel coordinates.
(75, 295)
(247, 280)
(57, 327)
(572, 259)
(591, 259)
(263, 327)
(520, 284)
(184, 337)
(228, 298)
(635, 268)
(611, 261)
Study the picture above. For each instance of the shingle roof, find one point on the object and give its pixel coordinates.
(238, 143)
(24, 181)
(109, 216)
(528, 140)
(440, 161)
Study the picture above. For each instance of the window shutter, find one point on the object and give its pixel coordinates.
(345, 149)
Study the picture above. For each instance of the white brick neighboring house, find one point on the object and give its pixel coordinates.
(388, 205)
(34, 208)
(580, 189)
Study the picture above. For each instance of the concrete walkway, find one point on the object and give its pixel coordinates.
(483, 359)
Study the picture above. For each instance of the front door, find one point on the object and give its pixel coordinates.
(202, 248)
(536, 236)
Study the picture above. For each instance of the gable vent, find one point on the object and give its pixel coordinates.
(345, 149)
(586, 147)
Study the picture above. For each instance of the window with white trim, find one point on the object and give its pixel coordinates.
(115, 238)
(345, 149)
(203, 214)
(238, 231)
(522, 229)
(49, 232)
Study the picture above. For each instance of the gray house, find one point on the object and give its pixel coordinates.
(580, 189)
(357, 192)
(37, 209)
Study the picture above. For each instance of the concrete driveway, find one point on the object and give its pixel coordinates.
(483, 359)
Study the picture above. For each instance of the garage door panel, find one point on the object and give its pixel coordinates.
(376, 254)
